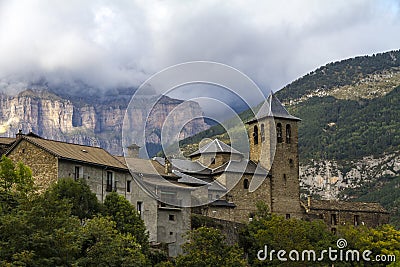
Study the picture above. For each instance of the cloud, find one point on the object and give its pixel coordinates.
(109, 44)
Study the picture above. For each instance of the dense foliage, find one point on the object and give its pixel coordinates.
(62, 226)
(347, 129)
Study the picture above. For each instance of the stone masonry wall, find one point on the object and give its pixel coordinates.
(42, 163)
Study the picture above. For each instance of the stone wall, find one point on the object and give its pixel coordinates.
(42, 163)
(95, 177)
(333, 219)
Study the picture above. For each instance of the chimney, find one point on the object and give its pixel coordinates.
(133, 151)
(309, 201)
(168, 166)
(19, 135)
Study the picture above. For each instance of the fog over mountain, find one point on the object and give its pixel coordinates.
(102, 45)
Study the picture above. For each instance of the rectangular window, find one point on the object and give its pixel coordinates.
(128, 186)
(171, 217)
(356, 220)
(109, 185)
(78, 172)
(139, 205)
(287, 216)
(333, 219)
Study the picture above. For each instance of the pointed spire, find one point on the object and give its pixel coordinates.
(272, 107)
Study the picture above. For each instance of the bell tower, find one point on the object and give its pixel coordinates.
(273, 143)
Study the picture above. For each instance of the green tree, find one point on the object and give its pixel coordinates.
(207, 247)
(84, 202)
(16, 184)
(41, 232)
(278, 233)
(127, 219)
(384, 240)
(103, 245)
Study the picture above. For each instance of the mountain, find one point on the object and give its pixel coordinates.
(89, 120)
(349, 136)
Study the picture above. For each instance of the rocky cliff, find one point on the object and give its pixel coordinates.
(85, 121)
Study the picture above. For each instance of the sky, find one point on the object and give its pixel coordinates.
(108, 44)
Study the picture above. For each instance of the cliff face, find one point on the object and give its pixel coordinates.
(54, 117)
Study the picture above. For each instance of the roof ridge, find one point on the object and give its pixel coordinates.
(63, 142)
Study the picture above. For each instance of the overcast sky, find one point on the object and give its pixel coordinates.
(121, 43)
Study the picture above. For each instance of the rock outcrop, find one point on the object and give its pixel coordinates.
(85, 122)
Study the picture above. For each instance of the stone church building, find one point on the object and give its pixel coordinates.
(217, 181)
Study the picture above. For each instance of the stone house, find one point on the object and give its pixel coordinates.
(335, 213)
(50, 160)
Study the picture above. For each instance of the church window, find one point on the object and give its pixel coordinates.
(288, 133)
(262, 133)
(279, 133)
(246, 184)
(255, 135)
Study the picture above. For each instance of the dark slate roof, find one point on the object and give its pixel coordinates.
(222, 203)
(187, 179)
(216, 186)
(74, 152)
(272, 107)
(335, 205)
(216, 146)
(188, 166)
(243, 166)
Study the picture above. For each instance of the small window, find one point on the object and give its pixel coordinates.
(213, 161)
(356, 220)
(255, 135)
(279, 133)
(284, 179)
(128, 186)
(246, 184)
(78, 172)
(287, 216)
(291, 163)
(333, 219)
(288, 133)
(209, 196)
(217, 196)
(171, 233)
(109, 185)
(262, 133)
(139, 205)
(171, 217)
(23, 150)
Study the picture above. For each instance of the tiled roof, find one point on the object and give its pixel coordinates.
(74, 152)
(272, 107)
(6, 140)
(336, 205)
(216, 146)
